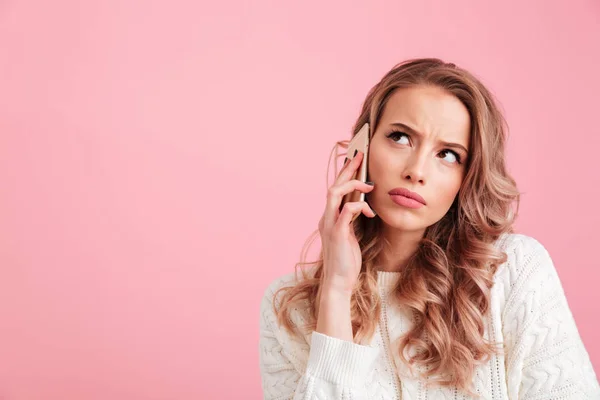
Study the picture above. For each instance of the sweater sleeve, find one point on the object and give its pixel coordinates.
(545, 356)
(328, 369)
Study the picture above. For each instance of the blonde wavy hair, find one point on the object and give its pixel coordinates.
(446, 284)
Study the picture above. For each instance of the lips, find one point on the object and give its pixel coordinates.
(407, 193)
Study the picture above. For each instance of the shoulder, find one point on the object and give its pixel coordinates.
(273, 335)
(525, 255)
(518, 241)
(271, 299)
(287, 280)
(528, 274)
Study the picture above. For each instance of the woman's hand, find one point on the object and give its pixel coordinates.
(342, 258)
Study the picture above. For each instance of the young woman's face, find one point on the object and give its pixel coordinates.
(408, 151)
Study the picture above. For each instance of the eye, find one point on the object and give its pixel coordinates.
(395, 135)
(453, 155)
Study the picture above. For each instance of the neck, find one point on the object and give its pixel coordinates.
(400, 247)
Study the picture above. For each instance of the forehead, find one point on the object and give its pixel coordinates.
(428, 109)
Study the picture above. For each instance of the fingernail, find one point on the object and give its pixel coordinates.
(355, 152)
(345, 160)
(370, 183)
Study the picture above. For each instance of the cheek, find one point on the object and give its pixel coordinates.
(382, 162)
(377, 164)
(447, 188)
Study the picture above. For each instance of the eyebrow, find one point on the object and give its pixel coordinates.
(415, 132)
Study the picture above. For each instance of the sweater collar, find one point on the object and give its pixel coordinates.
(387, 280)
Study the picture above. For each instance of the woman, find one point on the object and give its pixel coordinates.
(430, 295)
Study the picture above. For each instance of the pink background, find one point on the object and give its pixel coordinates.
(161, 162)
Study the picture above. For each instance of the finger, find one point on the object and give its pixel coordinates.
(350, 186)
(335, 196)
(344, 167)
(348, 161)
(350, 212)
(349, 169)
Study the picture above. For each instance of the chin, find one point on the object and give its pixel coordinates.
(402, 219)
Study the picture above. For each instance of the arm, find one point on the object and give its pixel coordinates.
(335, 368)
(546, 357)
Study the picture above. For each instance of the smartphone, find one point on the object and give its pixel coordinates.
(359, 142)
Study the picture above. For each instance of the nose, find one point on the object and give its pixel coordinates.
(414, 170)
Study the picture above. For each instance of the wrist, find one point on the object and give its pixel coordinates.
(331, 290)
(334, 312)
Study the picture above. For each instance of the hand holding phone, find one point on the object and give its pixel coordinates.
(342, 258)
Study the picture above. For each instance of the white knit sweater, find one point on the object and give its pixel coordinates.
(544, 357)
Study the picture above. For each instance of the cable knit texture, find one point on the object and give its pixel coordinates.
(543, 355)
